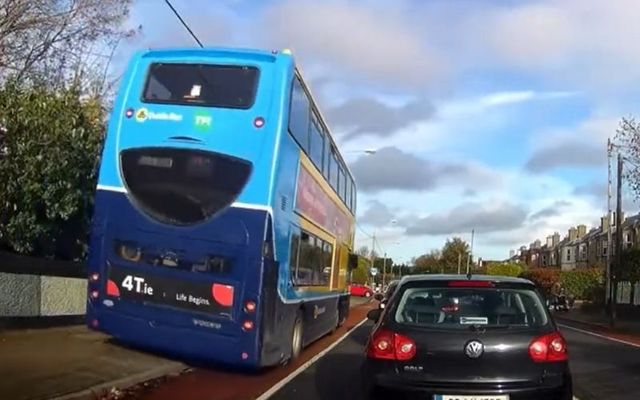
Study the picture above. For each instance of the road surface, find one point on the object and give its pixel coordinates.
(602, 369)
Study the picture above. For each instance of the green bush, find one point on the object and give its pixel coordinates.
(360, 275)
(544, 278)
(583, 283)
(51, 144)
(504, 269)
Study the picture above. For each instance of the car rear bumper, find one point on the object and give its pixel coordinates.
(556, 389)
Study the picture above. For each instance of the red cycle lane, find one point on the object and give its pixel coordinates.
(209, 384)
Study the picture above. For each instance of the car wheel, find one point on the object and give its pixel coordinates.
(296, 337)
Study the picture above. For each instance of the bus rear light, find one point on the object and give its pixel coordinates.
(250, 306)
(244, 355)
(112, 289)
(258, 122)
(94, 277)
(95, 294)
(247, 325)
(223, 294)
(94, 323)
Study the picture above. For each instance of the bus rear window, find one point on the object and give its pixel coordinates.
(224, 86)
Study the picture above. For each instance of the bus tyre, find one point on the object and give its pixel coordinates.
(296, 337)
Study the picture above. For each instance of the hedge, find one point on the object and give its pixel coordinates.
(504, 269)
(580, 283)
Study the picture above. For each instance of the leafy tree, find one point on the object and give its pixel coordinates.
(455, 249)
(360, 275)
(629, 270)
(380, 263)
(48, 170)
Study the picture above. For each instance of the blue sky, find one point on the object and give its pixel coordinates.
(487, 115)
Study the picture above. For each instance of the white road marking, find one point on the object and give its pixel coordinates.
(303, 367)
(600, 336)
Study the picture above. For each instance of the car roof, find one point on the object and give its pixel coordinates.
(455, 277)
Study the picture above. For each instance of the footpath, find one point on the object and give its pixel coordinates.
(74, 363)
(626, 329)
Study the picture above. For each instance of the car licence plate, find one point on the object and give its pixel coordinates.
(472, 397)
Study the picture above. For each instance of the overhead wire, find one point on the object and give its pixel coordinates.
(186, 26)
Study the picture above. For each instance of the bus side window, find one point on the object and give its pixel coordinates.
(299, 115)
(293, 258)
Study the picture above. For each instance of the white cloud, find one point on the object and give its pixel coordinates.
(366, 38)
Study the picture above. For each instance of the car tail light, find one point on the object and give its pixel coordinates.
(250, 306)
(386, 345)
(471, 284)
(548, 348)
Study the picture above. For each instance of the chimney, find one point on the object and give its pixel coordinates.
(582, 231)
(604, 224)
(556, 238)
(549, 241)
(573, 234)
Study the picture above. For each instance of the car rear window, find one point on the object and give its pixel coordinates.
(461, 308)
(225, 86)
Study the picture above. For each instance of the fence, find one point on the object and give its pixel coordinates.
(37, 292)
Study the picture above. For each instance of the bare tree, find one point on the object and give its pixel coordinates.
(61, 41)
(628, 141)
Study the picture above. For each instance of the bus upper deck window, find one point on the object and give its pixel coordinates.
(225, 86)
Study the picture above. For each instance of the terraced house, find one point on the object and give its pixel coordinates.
(580, 247)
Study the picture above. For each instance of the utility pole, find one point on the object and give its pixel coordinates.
(373, 246)
(384, 268)
(459, 261)
(618, 242)
(471, 252)
(609, 235)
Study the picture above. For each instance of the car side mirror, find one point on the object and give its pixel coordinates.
(378, 296)
(374, 315)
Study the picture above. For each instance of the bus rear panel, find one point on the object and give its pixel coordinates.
(182, 215)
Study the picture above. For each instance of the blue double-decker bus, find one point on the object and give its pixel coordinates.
(224, 214)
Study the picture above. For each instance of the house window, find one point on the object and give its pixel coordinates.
(568, 254)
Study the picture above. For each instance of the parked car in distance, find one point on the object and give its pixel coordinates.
(360, 290)
(446, 337)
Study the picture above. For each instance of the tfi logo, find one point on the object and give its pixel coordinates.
(203, 121)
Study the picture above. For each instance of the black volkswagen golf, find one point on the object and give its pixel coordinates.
(453, 337)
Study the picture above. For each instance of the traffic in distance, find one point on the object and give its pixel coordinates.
(223, 226)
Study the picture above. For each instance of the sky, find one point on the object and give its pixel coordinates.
(491, 115)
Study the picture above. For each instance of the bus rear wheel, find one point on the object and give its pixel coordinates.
(296, 337)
